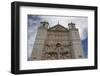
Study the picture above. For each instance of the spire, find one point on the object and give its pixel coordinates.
(58, 21)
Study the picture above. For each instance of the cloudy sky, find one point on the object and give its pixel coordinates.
(34, 22)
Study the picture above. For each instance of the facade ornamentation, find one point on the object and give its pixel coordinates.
(57, 42)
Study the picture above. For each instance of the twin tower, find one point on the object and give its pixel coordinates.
(57, 42)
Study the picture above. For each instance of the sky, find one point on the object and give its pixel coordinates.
(34, 23)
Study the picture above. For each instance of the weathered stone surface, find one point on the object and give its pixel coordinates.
(57, 42)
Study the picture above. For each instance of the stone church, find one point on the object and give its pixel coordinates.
(57, 42)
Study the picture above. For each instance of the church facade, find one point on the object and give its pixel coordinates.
(57, 42)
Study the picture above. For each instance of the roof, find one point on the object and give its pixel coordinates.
(71, 24)
(58, 27)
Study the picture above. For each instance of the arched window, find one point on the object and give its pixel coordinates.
(58, 45)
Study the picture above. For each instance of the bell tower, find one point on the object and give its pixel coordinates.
(39, 41)
(71, 25)
(75, 41)
(44, 24)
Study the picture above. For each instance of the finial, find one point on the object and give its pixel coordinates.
(58, 21)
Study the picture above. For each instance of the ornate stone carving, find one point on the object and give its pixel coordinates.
(57, 42)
